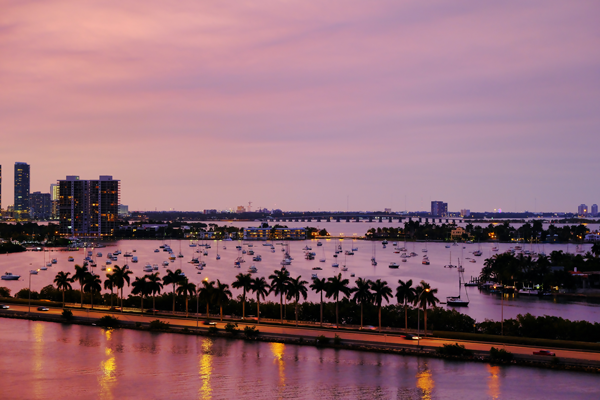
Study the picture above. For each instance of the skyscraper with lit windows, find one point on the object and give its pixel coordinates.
(21, 204)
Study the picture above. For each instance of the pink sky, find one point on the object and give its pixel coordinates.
(299, 104)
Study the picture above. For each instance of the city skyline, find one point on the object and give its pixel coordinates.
(299, 106)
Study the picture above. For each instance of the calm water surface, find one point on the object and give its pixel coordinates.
(482, 305)
(43, 360)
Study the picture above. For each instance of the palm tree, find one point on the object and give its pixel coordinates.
(121, 277)
(362, 295)
(110, 284)
(242, 281)
(295, 289)
(426, 296)
(596, 249)
(335, 286)
(154, 286)
(381, 291)
(140, 286)
(173, 278)
(222, 294)
(279, 283)
(319, 286)
(80, 274)
(186, 288)
(63, 282)
(405, 294)
(261, 288)
(206, 293)
(92, 283)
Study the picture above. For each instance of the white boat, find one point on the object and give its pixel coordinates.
(134, 259)
(394, 265)
(10, 277)
(155, 267)
(54, 261)
(457, 301)
(314, 276)
(127, 254)
(252, 269)
(156, 250)
(165, 263)
(98, 254)
(33, 272)
(70, 259)
(344, 268)
(218, 257)
(335, 265)
(48, 264)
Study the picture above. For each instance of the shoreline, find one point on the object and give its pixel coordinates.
(287, 336)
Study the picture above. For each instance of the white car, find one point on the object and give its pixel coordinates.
(4, 307)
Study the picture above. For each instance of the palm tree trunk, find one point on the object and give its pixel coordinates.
(221, 309)
(111, 297)
(336, 314)
(173, 297)
(405, 317)
(281, 307)
(321, 323)
(258, 310)
(425, 313)
(81, 290)
(142, 304)
(296, 311)
(186, 305)
(379, 307)
(63, 298)
(244, 305)
(361, 315)
(207, 309)
(92, 298)
(153, 303)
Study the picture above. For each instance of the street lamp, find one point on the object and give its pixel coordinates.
(32, 272)
(418, 317)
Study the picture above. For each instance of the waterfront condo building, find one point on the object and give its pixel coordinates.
(439, 209)
(54, 199)
(88, 208)
(41, 206)
(594, 210)
(582, 210)
(21, 204)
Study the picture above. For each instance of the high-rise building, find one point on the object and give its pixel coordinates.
(594, 210)
(41, 205)
(54, 199)
(439, 209)
(88, 207)
(465, 213)
(582, 210)
(21, 205)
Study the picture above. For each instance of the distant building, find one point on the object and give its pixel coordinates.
(240, 209)
(212, 211)
(458, 232)
(387, 210)
(123, 210)
(465, 213)
(54, 199)
(40, 205)
(88, 207)
(582, 210)
(274, 233)
(439, 209)
(21, 204)
(594, 210)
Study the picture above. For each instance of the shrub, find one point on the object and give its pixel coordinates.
(4, 291)
(185, 329)
(108, 322)
(158, 325)
(500, 355)
(232, 328)
(454, 350)
(337, 339)
(138, 324)
(321, 340)
(250, 332)
(212, 330)
(67, 314)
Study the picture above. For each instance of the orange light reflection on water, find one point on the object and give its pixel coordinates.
(205, 391)
(108, 368)
(425, 382)
(493, 381)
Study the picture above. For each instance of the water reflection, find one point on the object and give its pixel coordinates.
(278, 349)
(108, 367)
(206, 360)
(493, 381)
(425, 381)
(38, 357)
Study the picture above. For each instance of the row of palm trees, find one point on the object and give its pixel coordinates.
(365, 292)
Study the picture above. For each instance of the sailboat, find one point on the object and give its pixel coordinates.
(322, 259)
(373, 260)
(457, 301)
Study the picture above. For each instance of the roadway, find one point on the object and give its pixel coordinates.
(374, 338)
